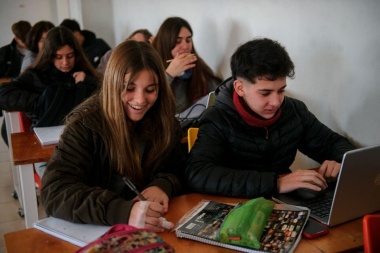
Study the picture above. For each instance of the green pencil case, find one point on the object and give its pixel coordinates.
(245, 224)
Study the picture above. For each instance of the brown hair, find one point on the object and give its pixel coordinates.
(57, 38)
(147, 35)
(21, 29)
(157, 128)
(35, 34)
(202, 74)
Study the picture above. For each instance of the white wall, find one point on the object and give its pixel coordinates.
(335, 45)
(94, 15)
(12, 11)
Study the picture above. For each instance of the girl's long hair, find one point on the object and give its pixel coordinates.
(35, 34)
(202, 74)
(158, 126)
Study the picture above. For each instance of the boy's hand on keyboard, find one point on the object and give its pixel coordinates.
(329, 170)
(310, 179)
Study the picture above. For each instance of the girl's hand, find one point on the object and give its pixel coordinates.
(180, 63)
(146, 214)
(155, 194)
(79, 76)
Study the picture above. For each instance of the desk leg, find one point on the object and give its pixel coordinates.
(28, 192)
(12, 123)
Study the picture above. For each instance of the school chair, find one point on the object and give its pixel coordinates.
(192, 134)
(371, 233)
(25, 127)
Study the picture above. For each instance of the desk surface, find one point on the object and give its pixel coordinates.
(345, 237)
(28, 149)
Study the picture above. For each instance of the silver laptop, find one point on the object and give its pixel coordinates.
(195, 110)
(355, 193)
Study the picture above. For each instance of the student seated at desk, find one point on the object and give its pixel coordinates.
(188, 74)
(128, 130)
(60, 78)
(11, 56)
(35, 41)
(249, 139)
(138, 35)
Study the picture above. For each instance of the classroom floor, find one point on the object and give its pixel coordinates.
(9, 219)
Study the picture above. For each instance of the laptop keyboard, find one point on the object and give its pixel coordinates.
(319, 206)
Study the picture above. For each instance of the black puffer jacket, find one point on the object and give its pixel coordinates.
(94, 48)
(232, 158)
(10, 60)
(46, 96)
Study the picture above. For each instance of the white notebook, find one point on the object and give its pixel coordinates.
(48, 135)
(75, 233)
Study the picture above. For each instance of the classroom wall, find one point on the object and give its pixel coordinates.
(93, 15)
(33, 11)
(334, 45)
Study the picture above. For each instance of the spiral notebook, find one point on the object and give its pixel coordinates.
(285, 225)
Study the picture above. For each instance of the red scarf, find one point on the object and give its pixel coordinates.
(250, 117)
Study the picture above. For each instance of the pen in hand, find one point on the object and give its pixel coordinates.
(133, 188)
(164, 223)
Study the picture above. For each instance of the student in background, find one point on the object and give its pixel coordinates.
(11, 57)
(59, 66)
(138, 35)
(93, 47)
(34, 41)
(127, 130)
(142, 35)
(190, 77)
(249, 139)
(60, 79)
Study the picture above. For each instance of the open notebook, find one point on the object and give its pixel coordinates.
(75, 233)
(48, 135)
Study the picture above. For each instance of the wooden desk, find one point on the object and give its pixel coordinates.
(27, 150)
(346, 237)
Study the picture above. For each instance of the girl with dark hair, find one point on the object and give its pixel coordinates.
(190, 77)
(60, 78)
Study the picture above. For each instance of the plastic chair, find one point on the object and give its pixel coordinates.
(371, 233)
(192, 134)
(25, 123)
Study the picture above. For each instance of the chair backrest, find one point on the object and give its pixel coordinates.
(192, 134)
(371, 233)
(25, 122)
